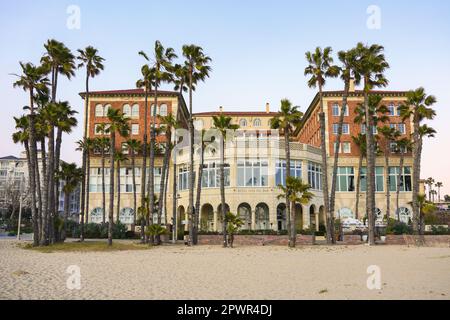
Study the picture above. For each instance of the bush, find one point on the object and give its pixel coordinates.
(439, 230)
(398, 228)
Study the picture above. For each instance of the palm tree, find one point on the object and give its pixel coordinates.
(320, 67)
(360, 142)
(102, 144)
(347, 70)
(72, 176)
(58, 59)
(287, 120)
(429, 182)
(390, 135)
(119, 157)
(134, 147)
(418, 107)
(162, 66)
(223, 125)
(33, 80)
(298, 192)
(403, 146)
(89, 59)
(118, 124)
(439, 185)
(197, 70)
(425, 207)
(371, 66)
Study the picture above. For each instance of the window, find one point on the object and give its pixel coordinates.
(391, 109)
(345, 128)
(127, 110)
(153, 111)
(257, 123)
(315, 175)
(401, 128)
(211, 175)
(405, 179)
(242, 123)
(97, 129)
(126, 179)
(336, 110)
(125, 148)
(135, 129)
(379, 179)
(99, 110)
(345, 179)
(95, 180)
(105, 111)
(253, 173)
(399, 111)
(280, 171)
(163, 110)
(135, 111)
(346, 147)
(183, 178)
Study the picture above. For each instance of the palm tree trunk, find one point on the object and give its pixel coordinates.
(416, 176)
(133, 167)
(293, 232)
(151, 178)
(388, 191)
(337, 146)
(399, 180)
(48, 214)
(370, 176)
(84, 188)
(57, 161)
(111, 186)
(358, 186)
(291, 222)
(330, 222)
(42, 195)
(32, 183)
(66, 216)
(162, 187)
(88, 167)
(144, 164)
(199, 193)
(118, 192)
(191, 212)
(103, 185)
(166, 185)
(222, 190)
(174, 195)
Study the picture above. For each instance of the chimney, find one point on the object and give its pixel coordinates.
(220, 109)
(267, 107)
(352, 85)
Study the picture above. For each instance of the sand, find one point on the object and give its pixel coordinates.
(211, 272)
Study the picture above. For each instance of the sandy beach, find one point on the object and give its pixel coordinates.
(211, 272)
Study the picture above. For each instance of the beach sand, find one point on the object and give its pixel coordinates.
(211, 272)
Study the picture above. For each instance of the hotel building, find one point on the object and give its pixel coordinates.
(255, 162)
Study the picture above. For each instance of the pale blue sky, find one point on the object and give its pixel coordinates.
(257, 49)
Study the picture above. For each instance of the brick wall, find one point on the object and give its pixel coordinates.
(245, 240)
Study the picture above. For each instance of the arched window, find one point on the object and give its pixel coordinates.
(262, 217)
(126, 216)
(153, 111)
(99, 110)
(379, 214)
(257, 123)
(243, 123)
(163, 110)
(404, 215)
(105, 111)
(345, 213)
(127, 110)
(135, 111)
(97, 215)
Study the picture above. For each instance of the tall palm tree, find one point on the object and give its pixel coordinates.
(119, 157)
(287, 120)
(72, 176)
(347, 71)
(198, 69)
(33, 79)
(85, 146)
(118, 124)
(371, 66)
(102, 144)
(297, 192)
(321, 67)
(89, 59)
(403, 146)
(418, 107)
(134, 147)
(162, 66)
(58, 60)
(224, 125)
(390, 135)
(429, 182)
(360, 142)
(439, 185)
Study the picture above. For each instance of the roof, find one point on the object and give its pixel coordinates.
(9, 158)
(237, 113)
(340, 93)
(128, 92)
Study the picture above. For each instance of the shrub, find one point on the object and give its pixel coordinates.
(398, 228)
(439, 230)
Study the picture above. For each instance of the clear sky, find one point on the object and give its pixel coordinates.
(257, 49)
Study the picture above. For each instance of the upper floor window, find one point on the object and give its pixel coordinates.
(99, 110)
(242, 123)
(363, 129)
(153, 110)
(345, 128)
(163, 110)
(336, 110)
(257, 123)
(401, 128)
(345, 147)
(253, 173)
(135, 111)
(280, 171)
(135, 129)
(127, 110)
(391, 109)
(315, 176)
(345, 179)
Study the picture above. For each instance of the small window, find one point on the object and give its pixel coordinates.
(124, 148)
(402, 128)
(99, 110)
(135, 111)
(335, 110)
(345, 128)
(127, 110)
(242, 123)
(134, 129)
(163, 110)
(153, 111)
(96, 130)
(346, 147)
(391, 109)
(105, 111)
(257, 123)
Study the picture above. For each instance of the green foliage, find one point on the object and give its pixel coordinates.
(431, 219)
(155, 230)
(97, 231)
(439, 230)
(398, 228)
